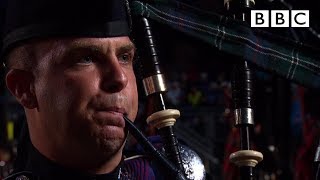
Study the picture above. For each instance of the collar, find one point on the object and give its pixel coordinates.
(41, 166)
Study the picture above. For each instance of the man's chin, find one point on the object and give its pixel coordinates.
(112, 132)
(111, 139)
(109, 148)
(106, 140)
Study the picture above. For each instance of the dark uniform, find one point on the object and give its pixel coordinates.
(39, 167)
(32, 165)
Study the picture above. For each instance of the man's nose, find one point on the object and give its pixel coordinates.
(114, 77)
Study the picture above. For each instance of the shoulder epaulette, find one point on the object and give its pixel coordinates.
(23, 175)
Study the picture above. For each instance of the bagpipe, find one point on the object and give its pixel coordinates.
(233, 30)
(179, 160)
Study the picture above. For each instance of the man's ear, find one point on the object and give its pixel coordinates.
(21, 85)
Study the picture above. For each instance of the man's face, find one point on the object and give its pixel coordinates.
(83, 87)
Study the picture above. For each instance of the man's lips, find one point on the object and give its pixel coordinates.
(112, 109)
(111, 116)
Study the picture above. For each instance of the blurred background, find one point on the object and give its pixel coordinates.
(287, 115)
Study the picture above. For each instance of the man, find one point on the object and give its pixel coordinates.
(70, 65)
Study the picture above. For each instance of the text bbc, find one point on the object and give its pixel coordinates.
(280, 18)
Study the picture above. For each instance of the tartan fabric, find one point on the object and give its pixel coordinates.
(141, 165)
(138, 168)
(293, 60)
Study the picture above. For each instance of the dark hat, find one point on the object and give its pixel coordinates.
(28, 19)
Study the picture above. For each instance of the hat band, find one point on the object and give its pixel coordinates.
(58, 29)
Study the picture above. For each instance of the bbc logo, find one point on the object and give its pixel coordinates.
(280, 18)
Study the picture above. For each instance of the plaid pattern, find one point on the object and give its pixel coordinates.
(293, 60)
(140, 165)
(138, 168)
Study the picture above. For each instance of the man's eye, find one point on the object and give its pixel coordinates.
(125, 58)
(86, 60)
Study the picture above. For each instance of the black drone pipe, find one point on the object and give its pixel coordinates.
(242, 90)
(159, 117)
